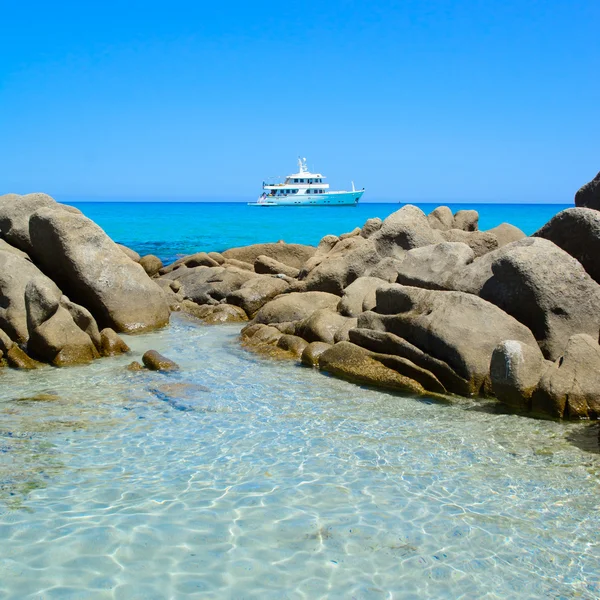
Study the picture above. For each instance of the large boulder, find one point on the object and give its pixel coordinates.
(577, 232)
(15, 212)
(15, 274)
(199, 259)
(359, 296)
(387, 268)
(132, 254)
(346, 262)
(321, 326)
(515, 371)
(256, 292)
(570, 388)
(293, 255)
(467, 220)
(94, 272)
(435, 267)
(547, 290)
(459, 329)
(54, 337)
(353, 363)
(208, 285)
(588, 196)
(370, 227)
(481, 242)
(441, 218)
(405, 229)
(269, 266)
(151, 264)
(295, 306)
(505, 233)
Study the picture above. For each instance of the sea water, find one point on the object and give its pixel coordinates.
(170, 230)
(243, 477)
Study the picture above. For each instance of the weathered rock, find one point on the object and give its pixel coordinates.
(200, 311)
(293, 255)
(83, 319)
(577, 232)
(435, 267)
(387, 269)
(505, 233)
(225, 313)
(5, 247)
(356, 231)
(132, 254)
(547, 290)
(288, 328)
(205, 285)
(370, 227)
(481, 242)
(261, 334)
(199, 259)
(343, 333)
(17, 359)
(256, 292)
(467, 220)
(386, 343)
(588, 196)
(15, 273)
(321, 326)
(92, 270)
(441, 218)
(111, 344)
(515, 371)
(134, 366)
(351, 362)
(340, 268)
(359, 296)
(238, 264)
(5, 342)
(54, 336)
(217, 257)
(157, 362)
(270, 266)
(459, 329)
(325, 246)
(312, 352)
(295, 306)
(293, 344)
(151, 264)
(405, 229)
(570, 388)
(15, 212)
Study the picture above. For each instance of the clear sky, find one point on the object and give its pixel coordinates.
(422, 100)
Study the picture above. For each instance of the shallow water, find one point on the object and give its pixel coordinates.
(240, 477)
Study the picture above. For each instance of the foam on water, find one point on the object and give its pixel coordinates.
(240, 477)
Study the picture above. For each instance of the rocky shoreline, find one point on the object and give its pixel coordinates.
(425, 304)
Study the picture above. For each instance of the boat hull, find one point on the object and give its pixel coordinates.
(331, 199)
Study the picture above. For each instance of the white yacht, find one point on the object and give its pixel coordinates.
(305, 189)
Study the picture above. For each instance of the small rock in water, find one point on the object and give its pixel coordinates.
(157, 362)
(17, 359)
(111, 343)
(135, 366)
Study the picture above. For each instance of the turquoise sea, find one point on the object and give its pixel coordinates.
(169, 230)
(242, 477)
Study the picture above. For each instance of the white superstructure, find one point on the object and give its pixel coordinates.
(305, 189)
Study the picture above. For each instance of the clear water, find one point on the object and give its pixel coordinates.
(170, 230)
(240, 477)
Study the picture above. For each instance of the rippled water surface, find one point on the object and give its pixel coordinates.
(239, 477)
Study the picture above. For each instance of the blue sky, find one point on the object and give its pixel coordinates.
(415, 100)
